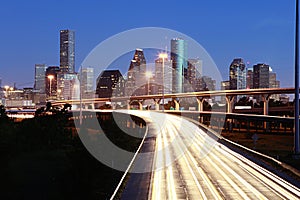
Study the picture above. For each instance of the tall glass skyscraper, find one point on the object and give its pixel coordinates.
(67, 51)
(39, 78)
(261, 75)
(237, 74)
(163, 81)
(87, 79)
(179, 63)
(136, 75)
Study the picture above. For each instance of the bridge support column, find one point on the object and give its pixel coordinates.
(266, 98)
(92, 106)
(200, 103)
(128, 104)
(113, 105)
(156, 102)
(229, 101)
(140, 105)
(176, 104)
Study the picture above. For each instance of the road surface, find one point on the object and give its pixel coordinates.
(189, 164)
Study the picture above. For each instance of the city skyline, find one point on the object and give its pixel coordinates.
(257, 39)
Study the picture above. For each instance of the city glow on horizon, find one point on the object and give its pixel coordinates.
(163, 55)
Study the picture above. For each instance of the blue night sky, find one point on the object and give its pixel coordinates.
(256, 30)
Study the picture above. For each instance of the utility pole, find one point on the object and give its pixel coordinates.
(296, 136)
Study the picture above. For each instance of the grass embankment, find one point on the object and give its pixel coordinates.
(43, 159)
(278, 146)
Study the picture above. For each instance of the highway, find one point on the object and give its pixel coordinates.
(189, 164)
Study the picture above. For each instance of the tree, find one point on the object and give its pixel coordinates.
(48, 106)
(3, 114)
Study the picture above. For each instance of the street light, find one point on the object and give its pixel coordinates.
(58, 93)
(163, 56)
(148, 75)
(6, 89)
(10, 91)
(296, 118)
(50, 77)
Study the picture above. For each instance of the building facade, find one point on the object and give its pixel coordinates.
(261, 75)
(109, 84)
(87, 82)
(39, 78)
(136, 75)
(237, 74)
(163, 77)
(194, 71)
(51, 81)
(179, 63)
(67, 84)
(67, 51)
(249, 79)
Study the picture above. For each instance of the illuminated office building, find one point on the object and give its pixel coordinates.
(39, 78)
(179, 63)
(67, 51)
(136, 75)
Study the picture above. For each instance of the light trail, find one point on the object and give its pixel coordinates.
(189, 164)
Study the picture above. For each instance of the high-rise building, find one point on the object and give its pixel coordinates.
(67, 84)
(108, 84)
(179, 63)
(261, 75)
(39, 78)
(136, 75)
(261, 78)
(237, 74)
(225, 85)
(194, 71)
(51, 81)
(163, 80)
(67, 51)
(86, 82)
(249, 79)
(273, 83)
(208, 83)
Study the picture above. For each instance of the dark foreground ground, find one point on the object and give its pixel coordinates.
(279, 146)
(43, 158)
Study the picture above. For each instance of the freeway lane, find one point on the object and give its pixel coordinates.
(188, 164)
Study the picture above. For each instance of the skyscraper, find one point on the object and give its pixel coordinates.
(273, 83)
(108, 82)
(66, 85)
(194, 71)
(249, 79)
(67, 51)
(261, 75)
(163, 80)
(237, 74)
(86, 82)
(261, 78)
(136, 75)
(39, 78)
(179, 63)
(51, 81)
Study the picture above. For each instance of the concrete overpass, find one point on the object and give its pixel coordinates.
(230, 95)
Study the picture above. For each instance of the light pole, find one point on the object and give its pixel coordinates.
(50, 77)
(296, 136)
(163, 56)
(58, 94)
(10, 92)
(148, 75)
(6, 89)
